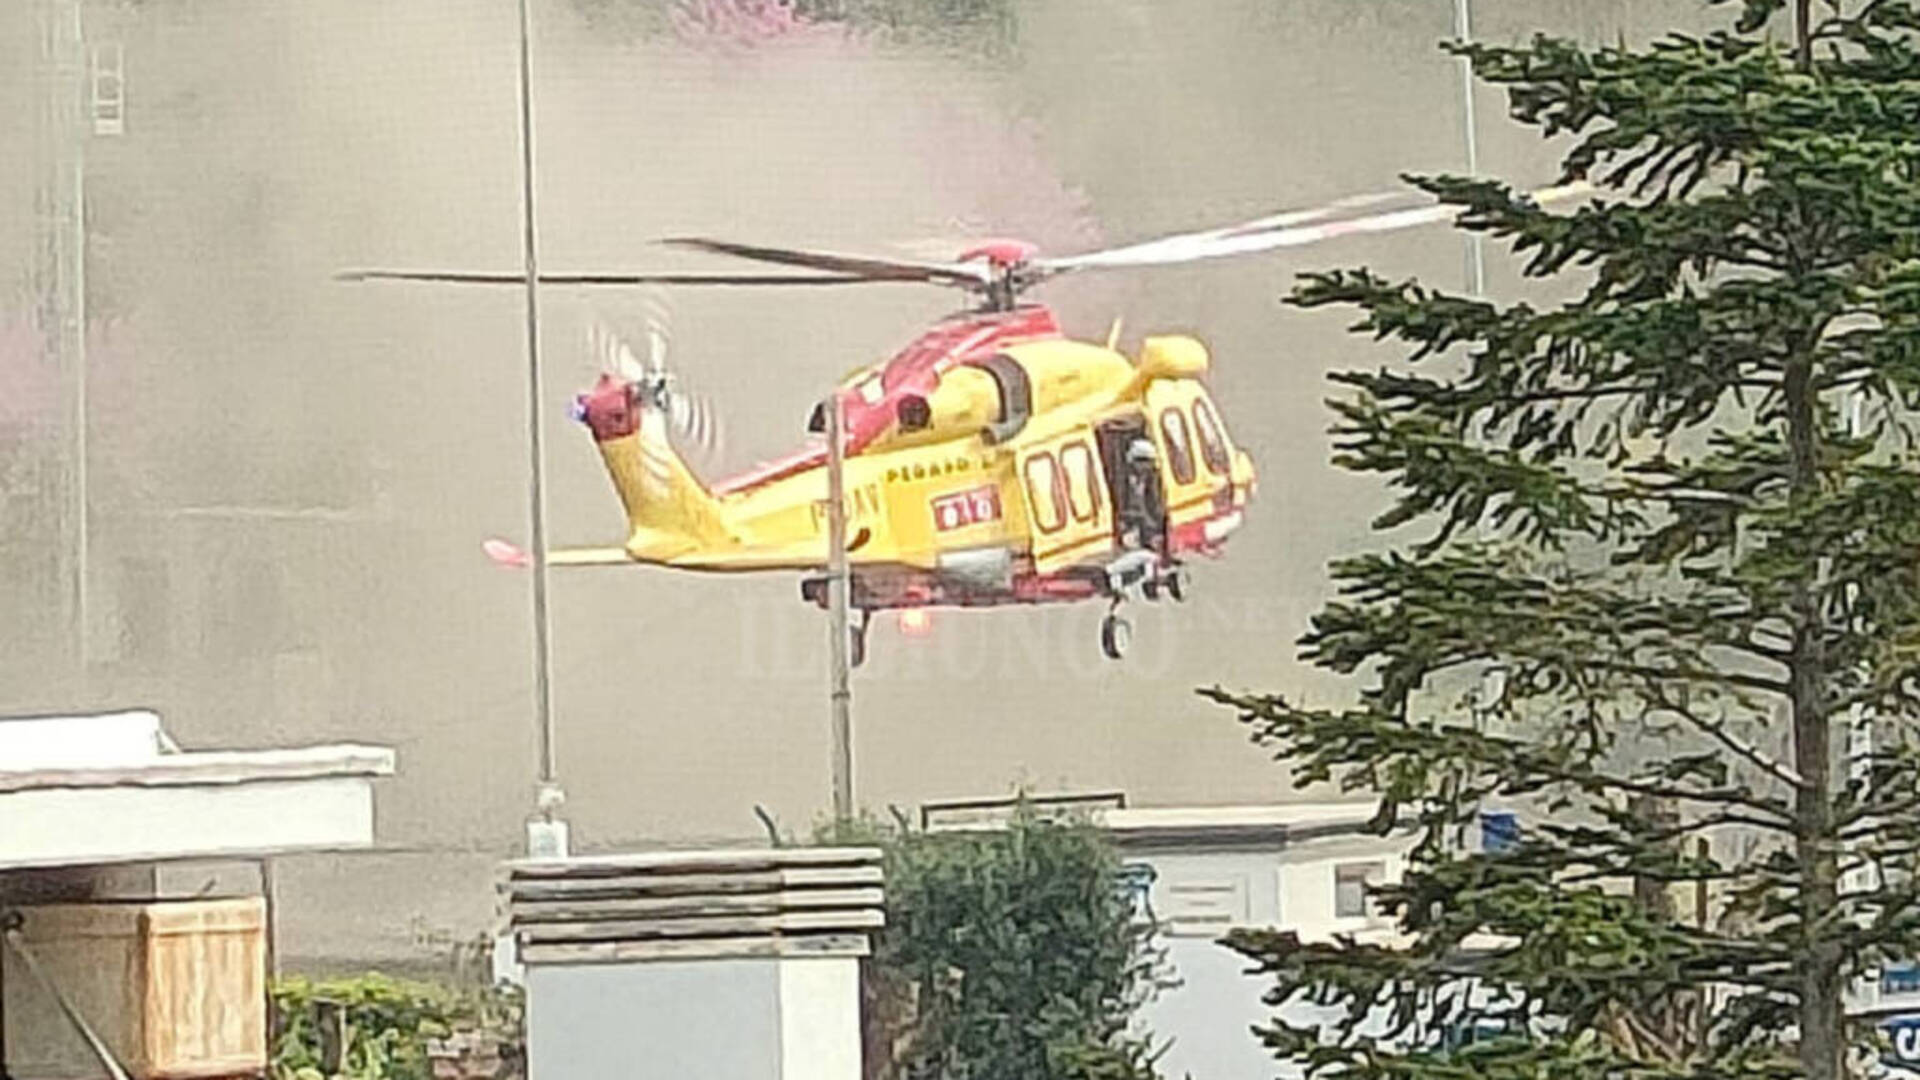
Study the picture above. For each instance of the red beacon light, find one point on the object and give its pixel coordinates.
(916, 622)
(1002, 254)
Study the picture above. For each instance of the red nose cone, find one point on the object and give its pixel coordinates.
(609, 408)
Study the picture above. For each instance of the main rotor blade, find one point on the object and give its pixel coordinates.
(1184, 247)
(1292, 229)
(462, 278)
(865, 266)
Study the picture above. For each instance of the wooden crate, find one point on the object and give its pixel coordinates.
(177, 989)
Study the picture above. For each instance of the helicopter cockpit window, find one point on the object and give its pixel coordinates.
(1213, 446)
(1173, 432)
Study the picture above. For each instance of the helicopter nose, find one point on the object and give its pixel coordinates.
(611, 409)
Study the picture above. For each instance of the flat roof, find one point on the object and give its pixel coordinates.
(1201, 826)
(115, 788)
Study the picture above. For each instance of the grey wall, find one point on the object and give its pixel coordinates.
(664, 1020)
(291, 477)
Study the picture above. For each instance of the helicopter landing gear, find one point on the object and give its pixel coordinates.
(1178, 583)
(857, 639)
(1173, 582)
(1116, 634)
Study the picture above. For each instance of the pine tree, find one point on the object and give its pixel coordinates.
(1671, 528)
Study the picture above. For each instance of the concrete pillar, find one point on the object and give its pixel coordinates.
(727, 965)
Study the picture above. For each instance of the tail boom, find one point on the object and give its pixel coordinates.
(669, 511)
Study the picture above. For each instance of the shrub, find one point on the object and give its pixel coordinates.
(1007, 953)
(372, 1027)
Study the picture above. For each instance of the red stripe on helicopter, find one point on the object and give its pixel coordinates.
(915, 370)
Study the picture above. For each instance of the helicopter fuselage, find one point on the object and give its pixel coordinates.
(992, 461)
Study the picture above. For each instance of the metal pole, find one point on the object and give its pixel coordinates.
(536, 449)
(837, 586)
(269, 893)
(64, 321)
(1463, 30)
(82, 499)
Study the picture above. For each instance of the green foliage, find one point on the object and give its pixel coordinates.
(1657, 539)
(1007, 953)
(373, 1027)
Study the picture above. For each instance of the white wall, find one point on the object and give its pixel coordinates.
(1199, 896)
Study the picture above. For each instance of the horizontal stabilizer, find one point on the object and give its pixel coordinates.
(504, 553)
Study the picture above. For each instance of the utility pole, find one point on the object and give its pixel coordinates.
(1476, 249)
(61, 205)
(837, 587)
(546, 835)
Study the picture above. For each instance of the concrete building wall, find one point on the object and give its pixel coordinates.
(290, 478)
(1208, 1020)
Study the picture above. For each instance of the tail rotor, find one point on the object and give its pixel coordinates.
(692, 422)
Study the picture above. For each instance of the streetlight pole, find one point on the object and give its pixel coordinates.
(841, 698)
(546, 836)
(61, 203)
(1476, 249)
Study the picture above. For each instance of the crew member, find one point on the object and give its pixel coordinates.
(1143, 515)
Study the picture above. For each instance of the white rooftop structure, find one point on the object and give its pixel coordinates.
(115, 788)
(1160, 826)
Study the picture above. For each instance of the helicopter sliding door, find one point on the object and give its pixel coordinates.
(1069, 516)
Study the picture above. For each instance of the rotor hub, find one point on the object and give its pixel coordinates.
(1002, 255)
(1008, 260)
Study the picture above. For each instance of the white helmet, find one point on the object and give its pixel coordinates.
(1141, 450)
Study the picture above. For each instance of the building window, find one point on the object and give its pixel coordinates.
(1205, 907)
(1350, 884)
(1044, 493)
(1173, 432)
(1213, 445)
(109, 99)
(1083, 485)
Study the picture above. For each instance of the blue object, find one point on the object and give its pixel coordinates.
(1499, 830)
(1900, 979)
(1904, 1033)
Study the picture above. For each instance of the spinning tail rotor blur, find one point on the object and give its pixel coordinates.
(692, 421)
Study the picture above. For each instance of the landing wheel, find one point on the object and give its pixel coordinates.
(1116, 634)
(1179, 583)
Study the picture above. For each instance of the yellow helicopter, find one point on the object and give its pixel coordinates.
(992, 461)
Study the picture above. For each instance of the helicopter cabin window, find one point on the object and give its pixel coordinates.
(1351, 884)
(1083, 484)
(1173, 432)
(1213, 446)
(1045, 493)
